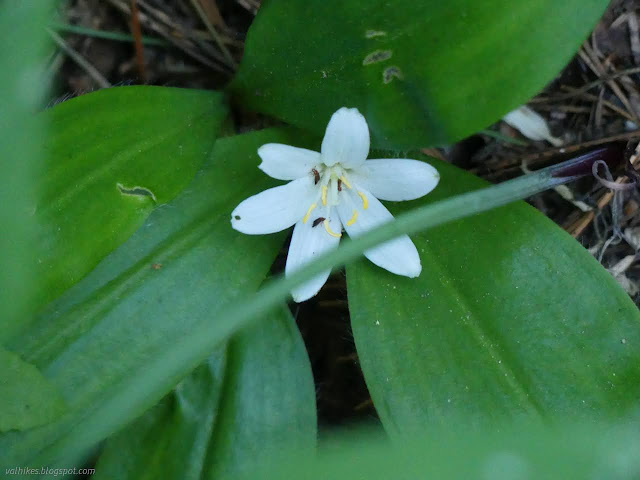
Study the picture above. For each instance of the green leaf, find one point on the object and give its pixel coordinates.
(510, 317)
(422, 73)
(107, 343)
(27, 398)
(109, 158)
(513, 452)
(23, 40)
(250, 400)
(269, 403)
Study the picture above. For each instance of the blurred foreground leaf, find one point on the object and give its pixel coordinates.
(512, 452)
(23, 41)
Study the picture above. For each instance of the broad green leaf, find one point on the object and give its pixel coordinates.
(422, 73)
(513, 452)
(107, 343)
(23, 39)
(252, 399)
(27, 398)
(510, 317)
(108, 159)
(269, 402)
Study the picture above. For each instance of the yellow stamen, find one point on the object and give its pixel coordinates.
(345, 181)
(353, 218)
(306, 217)
(326, 227)
(365, 200)
(324, 195)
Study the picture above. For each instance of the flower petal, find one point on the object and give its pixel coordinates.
(398, 255)
(396, 179)
(531, 125)
(274, 209)
(346, 140)
(285, 162)
(307, 243)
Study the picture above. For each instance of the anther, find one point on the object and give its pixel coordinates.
(339, 185)
(345, 181)
(306, 217)
(353, 218)
(317, 221)
(328, 229)
(316, 176)
(365, 200)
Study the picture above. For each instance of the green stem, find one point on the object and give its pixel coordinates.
(116, 36)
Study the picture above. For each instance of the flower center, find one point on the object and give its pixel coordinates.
(331, 181)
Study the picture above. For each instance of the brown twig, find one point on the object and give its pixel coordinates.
(176, 35)
(136, 31)
(585, 88)
(92, 71)
(214, 34)
(590, 58)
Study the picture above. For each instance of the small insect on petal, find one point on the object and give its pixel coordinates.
(316, 176)
(317, 221)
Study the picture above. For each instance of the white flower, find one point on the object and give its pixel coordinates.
(531, 125)
(334, 189)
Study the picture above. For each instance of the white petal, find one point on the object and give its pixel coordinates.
(346, 140)
(396, 179)
(398, 255)
(274, 209)
(307, 243)
(531, 125)
(285, 162)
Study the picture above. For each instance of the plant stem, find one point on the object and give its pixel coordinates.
(116, 36)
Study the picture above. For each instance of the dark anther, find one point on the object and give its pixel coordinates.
(318, 221)
(339, 185)
(316, 176)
